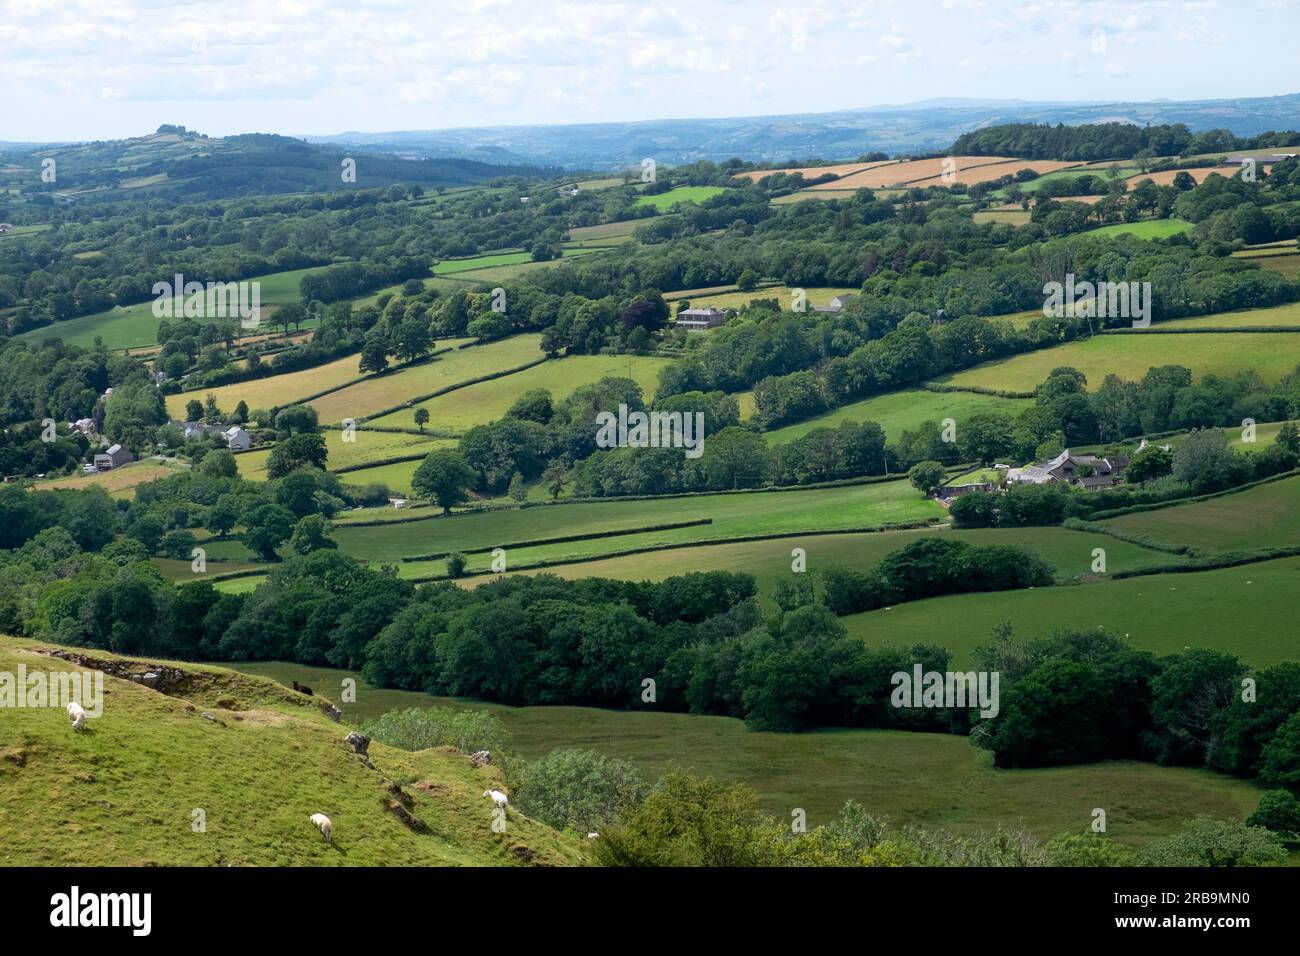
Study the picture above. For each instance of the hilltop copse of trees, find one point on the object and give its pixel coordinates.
(1092, 142)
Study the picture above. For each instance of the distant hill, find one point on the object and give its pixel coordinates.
(257, 760)
(904, 128)
(180, 163)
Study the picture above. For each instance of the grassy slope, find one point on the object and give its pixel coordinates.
(1264, 517)
(1272, 355)
(929, 779)
(1248, 611)
(904, 410)
(489, 401)
(121, 792)
(131, 326)
(384, 391)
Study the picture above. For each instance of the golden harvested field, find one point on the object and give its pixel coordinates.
(816, 295)
(898, 174)
(277, 390)
(1166, 177)
(1012, 217)
(989, 172)
(812, 172)
(381, 392)
(120, 482)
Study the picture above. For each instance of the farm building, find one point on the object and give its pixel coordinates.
(236, 438)
(1084, 471)
(835, 306)
(700, 318)
(115, 456)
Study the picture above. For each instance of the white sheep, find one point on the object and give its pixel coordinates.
(76, 714)
(499, 798)
(322, 823)
(592, 836)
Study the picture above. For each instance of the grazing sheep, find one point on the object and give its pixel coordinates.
(76, 714)
(499, 798)
(302, 689)
(322, 823)
(592, 836)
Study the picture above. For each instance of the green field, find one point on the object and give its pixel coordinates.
(135, 326)
(381, 392)
(734, 515)
(1248, 611)
(1146, 229)
(1272, 355)
(1069, 552)
(489, 401)
(1267, 516)
(1281, 316)
(933, 780)
(123, 791)
(904, 410)
(369, 446)
(665, 201)
(453, 266)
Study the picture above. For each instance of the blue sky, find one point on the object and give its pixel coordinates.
(108, 68)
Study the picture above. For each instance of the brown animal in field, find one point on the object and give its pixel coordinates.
(302, 688)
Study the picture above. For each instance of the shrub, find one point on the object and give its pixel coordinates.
(1278, 811)
(1208, 842)
(577, 790)
(419, 729)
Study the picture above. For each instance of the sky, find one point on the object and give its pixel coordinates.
(102, 69)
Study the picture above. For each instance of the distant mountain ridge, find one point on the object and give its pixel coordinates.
(904, 128)
(178, 162)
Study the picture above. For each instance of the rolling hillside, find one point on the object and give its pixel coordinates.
(258, 760)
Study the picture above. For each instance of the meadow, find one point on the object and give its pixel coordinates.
(135, 326)
(1069, 552)
(934, 780)
(733, 515)
(1266, 516)
(1279, 316)
(904, 410)
(369, 446)
(489, 401)
(379, 393)
(1146, 229)
(692, 194)
(1248, 611)
(1272, 355)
